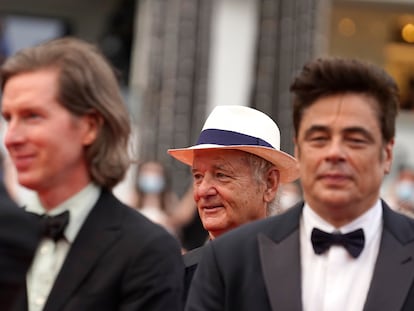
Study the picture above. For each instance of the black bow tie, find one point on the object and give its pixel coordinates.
(352, 241)
(54, 226)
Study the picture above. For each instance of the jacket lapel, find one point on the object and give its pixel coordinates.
(280, 259)
(98, 233)
(393, 273)
(21, 301)
(394, 269)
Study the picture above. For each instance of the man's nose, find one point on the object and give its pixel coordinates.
(204, 188)
(336, 151)
(14, 133)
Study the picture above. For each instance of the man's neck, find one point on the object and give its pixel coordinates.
(52, 198)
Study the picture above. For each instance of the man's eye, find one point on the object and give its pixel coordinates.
(197, 177)
(357, 141)
(318, 138)
(32, 116)
(6, 117)
(221, 175)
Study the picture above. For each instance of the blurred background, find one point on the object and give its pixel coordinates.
(177, 59)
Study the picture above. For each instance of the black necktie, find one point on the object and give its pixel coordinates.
(54, 226)
(352, 241)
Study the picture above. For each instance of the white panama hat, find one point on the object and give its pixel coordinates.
(246, 129)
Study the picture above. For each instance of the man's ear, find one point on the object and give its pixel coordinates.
(272, 184)
(296, 148)
(93, 123)
(388, 156)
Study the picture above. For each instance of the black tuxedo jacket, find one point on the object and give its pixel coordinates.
(118, 261)
(191, 260)
(257, 267)
(19, 237)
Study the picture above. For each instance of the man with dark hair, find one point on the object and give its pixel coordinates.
(67, 135)
(343, 248)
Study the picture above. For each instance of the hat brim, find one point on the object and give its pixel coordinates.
(286, 164)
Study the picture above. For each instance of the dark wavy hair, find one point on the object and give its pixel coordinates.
(333, 75)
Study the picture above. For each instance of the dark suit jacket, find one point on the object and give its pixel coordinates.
(257, 267)
(19, 237)
(118, 261)
(191, 260)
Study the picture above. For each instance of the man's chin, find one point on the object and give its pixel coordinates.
(216, 230)
(28, 183)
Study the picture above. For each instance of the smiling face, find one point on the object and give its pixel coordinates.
(226, 192)
(45, 141)
(342, 156)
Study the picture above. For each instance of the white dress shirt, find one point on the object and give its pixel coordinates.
(334, 280)
(49, 256)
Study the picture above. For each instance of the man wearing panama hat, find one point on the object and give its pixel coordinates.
(237, 166)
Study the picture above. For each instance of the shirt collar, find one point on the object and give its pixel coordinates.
(79, 206)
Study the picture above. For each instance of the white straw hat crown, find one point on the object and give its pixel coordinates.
(246, 129)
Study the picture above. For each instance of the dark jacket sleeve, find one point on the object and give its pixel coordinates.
(19, 237)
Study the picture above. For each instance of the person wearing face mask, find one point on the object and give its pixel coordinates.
(156, 200)
(152, 196)
(151, 183)
(404, 191)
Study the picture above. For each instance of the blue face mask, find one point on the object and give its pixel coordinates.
(405, 191)
(151, 183)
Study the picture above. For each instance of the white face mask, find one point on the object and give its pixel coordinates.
(151, 183)
(405, 191)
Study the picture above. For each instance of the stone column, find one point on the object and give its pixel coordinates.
(168, 80)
